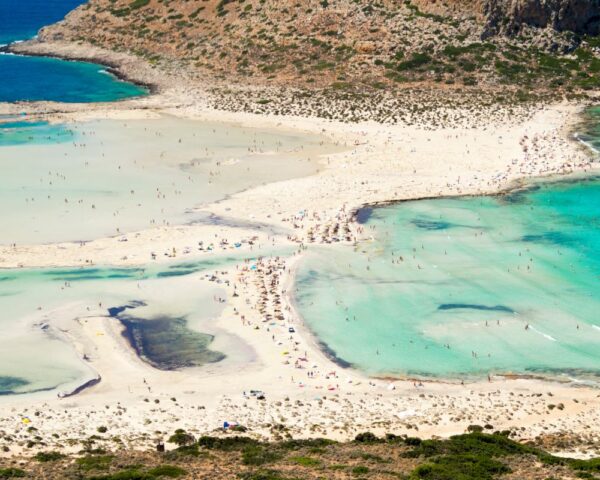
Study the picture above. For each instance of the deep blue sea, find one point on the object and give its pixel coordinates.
(32, 78)
(21, 19)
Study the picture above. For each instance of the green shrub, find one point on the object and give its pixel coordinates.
(186, 451)
(259, 455)
(305, 461)
(413, 441)
(94, 462)
(138, 4)
(591, 465)
(367, 437)
(306, 443)
(11, 473)
(181, 438)
(49, 456)
(129, 474)
(360, 470)
(463, 467)
(418, 60)
(263, 475)
(227, 443)
(168, 471)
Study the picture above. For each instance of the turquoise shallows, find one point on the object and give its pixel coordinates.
(459, 287)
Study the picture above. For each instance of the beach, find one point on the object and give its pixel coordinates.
(306, 393)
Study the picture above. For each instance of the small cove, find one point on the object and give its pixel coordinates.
(28, 78)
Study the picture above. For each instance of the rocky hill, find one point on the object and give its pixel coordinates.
(350, 60)
(516, 46)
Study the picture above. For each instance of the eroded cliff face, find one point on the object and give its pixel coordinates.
(510, 16)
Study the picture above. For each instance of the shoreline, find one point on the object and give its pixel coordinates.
(518, 185)
(468, 379)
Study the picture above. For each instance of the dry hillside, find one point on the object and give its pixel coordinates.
(347, 45)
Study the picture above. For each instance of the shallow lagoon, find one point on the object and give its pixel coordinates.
(169, 319)
(86, 180)
(466, 286)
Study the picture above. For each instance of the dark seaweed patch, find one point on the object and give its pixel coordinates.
(431, 225)
(471, 306)
(164, 342)
(556, 238)
(117, 275)
(8, 385)
(175, 273)
(363, 215)
(81, 277)
(93, 273)
(115, 311)
(75, 272)
(331, 355)
(168, 344)
(187, 265)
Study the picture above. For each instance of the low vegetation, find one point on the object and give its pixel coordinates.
(472, 456)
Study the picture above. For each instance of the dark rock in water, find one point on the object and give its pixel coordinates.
(509, 17)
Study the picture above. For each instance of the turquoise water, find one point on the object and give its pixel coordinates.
(87, 180)
(32, 79)
(466, 286)
(21, 131)
(38, 78)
